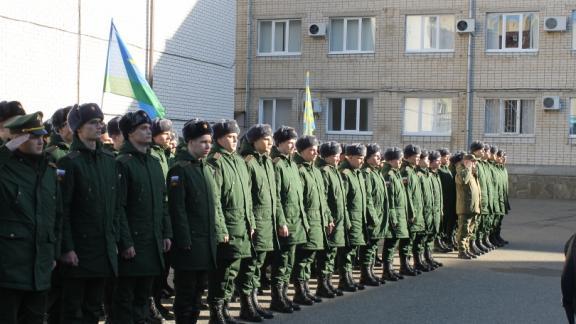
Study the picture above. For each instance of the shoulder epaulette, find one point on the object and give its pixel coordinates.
(326, 168)
(248, 157)
(368, 170)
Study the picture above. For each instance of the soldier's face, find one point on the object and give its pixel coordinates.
(310, 154)
(445, 160)
(374, 160)
(424, 163)
(142, 135)
(395, 164)
(163, 139)
(355, 161)
(434, 165)
(333, 160)
(66, 133)
(229, 142)
(263, 145)
(287, 147)
(33, 146)
(118, 141)
(414, 159)
(91, 130)
(478, 153)
(200, 147)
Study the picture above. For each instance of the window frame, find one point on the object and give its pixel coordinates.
(345, 36)
(572, 106)
(501, 132)
(422, 49)
(261, 109)
(420, 133)
(343, 114)
(522, 14)
(273, 39)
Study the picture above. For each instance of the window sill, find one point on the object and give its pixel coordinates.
(504, 52)
(279, 55)
(430, 52)
(426, 135)
(510, 135)
(349, 133)
(350, 53)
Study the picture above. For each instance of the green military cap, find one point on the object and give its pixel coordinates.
(31, 123)
(470, 157)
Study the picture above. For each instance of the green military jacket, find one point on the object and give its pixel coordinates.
(196, 213)
(505, 180)
(448, 192)
(335, 195)
(290, 209)
(483, 177)
(30, 221)
(90, 181)
(234, 187)
(264, 197)
(397, 203)
(427, 197)
(438, 200)
(356, 203)
(143, 217)
(164, 156)
(416, 222)
(468, 192)
(315, 204)
(57, 149)
(377, 205)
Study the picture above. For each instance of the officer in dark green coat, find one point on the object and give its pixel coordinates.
(437, 208)
(292, 222)
(356, 205)
(449, 219)
(8, 110)
(145, 229)
(427, 211)
(335, 193)
(376, 215)
(318, 215)
(90, 182)
(62, 134)
(416, 223)
(234, 187)
(194, 210)
(30, 222)
(255, 149)
(397, 233)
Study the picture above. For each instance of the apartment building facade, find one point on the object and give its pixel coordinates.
(399, 72)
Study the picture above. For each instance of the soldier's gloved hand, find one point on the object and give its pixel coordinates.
(129, 253)
(283, 231)
(15, 143)
(167, 245)
(70, 258)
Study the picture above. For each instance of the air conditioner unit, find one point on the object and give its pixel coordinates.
(317, 30)
(551, 103)
(466, 25)
(555, 24)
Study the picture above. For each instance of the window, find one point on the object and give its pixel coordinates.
(279, 37)
(428, 116)
(430, 33)
(512, 32)
(572, 118)
(275, 112)
(509, 117)
(350, 115)
(574, 30)
(352, 35)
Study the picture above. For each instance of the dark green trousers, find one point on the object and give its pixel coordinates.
(390, 245)
(81, 300)
(282, 264)
(189, 286)
(22, 307)
(130, 300)
(303, 264)
(368, 252)
(221, 280)
(345, 258)
(326, 261)
(54, 299)
(417, 242)
(250, 269)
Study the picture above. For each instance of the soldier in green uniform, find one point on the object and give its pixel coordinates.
(8, 110)
(115, 134)
(416, 222)
(292, 222)
(437, 208)
(318, 215)
(234, 187)
(145, 229)
(30, 223)
(194, 210)
(62, 134)
(477, 149)
(449, 218)
(467, 204)
(397, 233)
(335, 193)
(427, 211)
(495, 236)
(89, 239)
(356, 205)
(376, 215)
(255, 149)
(496, 198)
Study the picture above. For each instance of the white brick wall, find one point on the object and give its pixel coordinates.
(194, 50)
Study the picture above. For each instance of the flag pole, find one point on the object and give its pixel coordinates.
(106, 69)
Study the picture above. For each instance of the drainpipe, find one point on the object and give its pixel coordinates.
(470, 78)
(150, 40)
(248, 90)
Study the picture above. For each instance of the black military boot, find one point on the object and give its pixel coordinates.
(495, 241)
(335, 290)
(294, 306)
(261, 311)
(154, 314)
(430, 258)
(309, 294)
(474, 248)
(346, 285)
(278, 303)
(322, 289)
(481, 246)
(247, 310)
(229, 319)
(388, 272)
(419, 265)
(217, 313)
(464, 256)
(366, 278)
(300, 294)
(374, 276)
(350, 277)
(405, 268)
(488, 244)
(378, 262)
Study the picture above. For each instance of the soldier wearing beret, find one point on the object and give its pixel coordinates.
(30, 223)
(90, 182)
(376, 215)
(62, 134)
(318, 215)
(397, 234)
(145, 229)
(330, 153)
(468, 204)
(427, 211)
(196, 214)
(356, 205)
(290, 210)
(449, 218)
(437, 208)
(8, 110)
(234, 187)
(115, 134)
